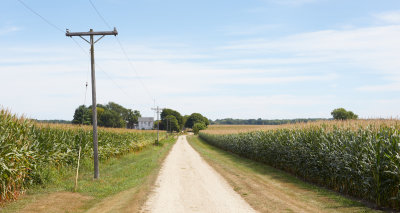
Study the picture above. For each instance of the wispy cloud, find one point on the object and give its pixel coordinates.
(393, 87)
(372, 48)
(294, 2)
(277, 80)
(391, 17)
(266, 77)
(8, 29)
(246, 30)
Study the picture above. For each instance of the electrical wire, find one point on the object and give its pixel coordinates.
(123, 51)
(40, 16)
(80, 46)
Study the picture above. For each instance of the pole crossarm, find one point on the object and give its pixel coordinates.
(70, 34)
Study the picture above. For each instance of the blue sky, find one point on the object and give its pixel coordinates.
(268, 59)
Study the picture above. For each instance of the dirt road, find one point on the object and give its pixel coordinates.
(188, 184)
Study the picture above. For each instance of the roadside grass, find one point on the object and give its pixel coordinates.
(257, 183)
(116, 175)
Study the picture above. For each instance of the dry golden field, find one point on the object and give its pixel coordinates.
(354, 124)
(89, 127)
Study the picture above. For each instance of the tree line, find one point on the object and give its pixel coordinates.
(172, 120)
(109, 115)
(337, 114)
(116, 116)
(259, 121)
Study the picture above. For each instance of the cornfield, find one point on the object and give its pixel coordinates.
(359, 158)
(26, 147)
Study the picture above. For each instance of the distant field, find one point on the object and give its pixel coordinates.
(353, 124)
(359, 158)
(89, 128)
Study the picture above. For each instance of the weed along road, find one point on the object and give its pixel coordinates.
(186, 183)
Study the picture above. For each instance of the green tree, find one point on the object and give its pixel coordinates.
(172, 123)
(197, 127)
(156, 124)
(109, 115)
(343, 114)
(82, 115)
(110, 119)
(184, 119)
(168, 112)
(132, 118)
(196, 118)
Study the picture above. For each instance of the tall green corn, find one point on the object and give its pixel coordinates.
(27, 147)
(363, 162)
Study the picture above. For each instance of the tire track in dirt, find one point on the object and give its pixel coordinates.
(186, 183)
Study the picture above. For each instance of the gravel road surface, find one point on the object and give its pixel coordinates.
(186, 183)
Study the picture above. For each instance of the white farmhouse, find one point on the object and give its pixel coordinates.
(146, 122)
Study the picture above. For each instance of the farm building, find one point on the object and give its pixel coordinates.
(145, 123)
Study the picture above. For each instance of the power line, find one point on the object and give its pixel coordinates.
(37, 14)
(99, 14)
(133, 68)
(123, 51)
(79, 46)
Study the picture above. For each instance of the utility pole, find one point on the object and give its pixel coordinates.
(157, 110)
(167, 126)
(91, 34)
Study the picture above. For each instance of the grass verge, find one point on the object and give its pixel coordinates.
(267, 189)
(132, 172)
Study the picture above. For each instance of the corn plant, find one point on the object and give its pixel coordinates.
(358, 160)
(27, 147)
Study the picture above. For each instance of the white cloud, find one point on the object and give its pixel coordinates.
(246, 30)
(392, 87)
(276, 80)
(372, 48)
(391, 17)
(49, 82)
(8, 29)
(294, 2)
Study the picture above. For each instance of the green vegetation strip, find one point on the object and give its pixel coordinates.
(362, 161)
(244, 168)
(29, 151)
(116, 175)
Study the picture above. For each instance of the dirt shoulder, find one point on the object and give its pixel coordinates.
(269, 190)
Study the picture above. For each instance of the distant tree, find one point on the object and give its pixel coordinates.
(343, 114)
(259, 121)
(184, 119)
(82, 115)
(171, 123)
(156, 124)
(109, 115)
(122, 111)
(197, 127)
(132, 118)
(53, 121)
(176, 114)
(196, 118)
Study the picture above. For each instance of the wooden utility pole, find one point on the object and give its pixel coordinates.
(91, 34)
(157, 110)
(167, 126)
